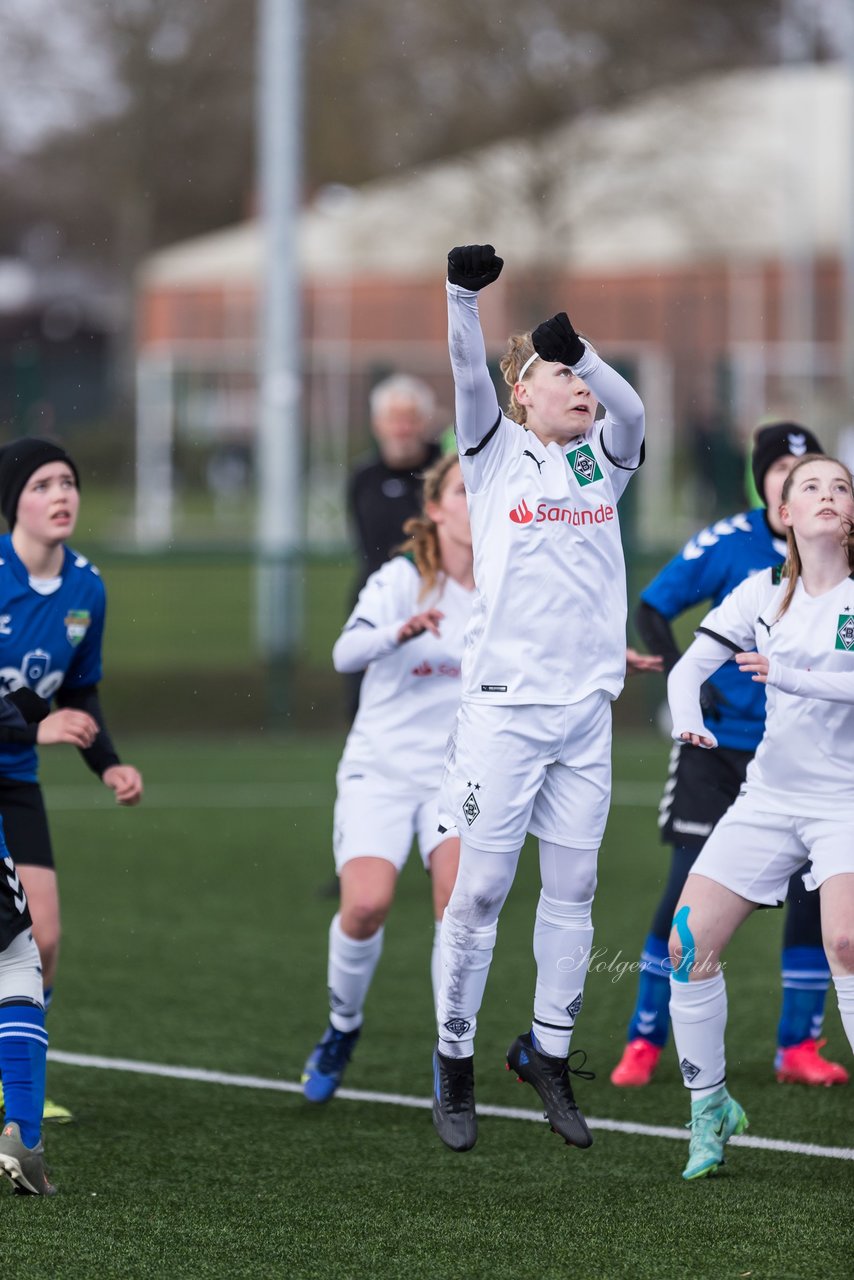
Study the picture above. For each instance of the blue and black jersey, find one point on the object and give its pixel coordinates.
(707, 568)
(47, 642)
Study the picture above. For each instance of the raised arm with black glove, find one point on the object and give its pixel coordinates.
(474, 266)
(556, 340)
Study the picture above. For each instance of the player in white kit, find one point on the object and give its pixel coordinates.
(798, 797)
(407, 630)
(545, 656)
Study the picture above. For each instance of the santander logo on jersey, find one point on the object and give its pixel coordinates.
(522, 514)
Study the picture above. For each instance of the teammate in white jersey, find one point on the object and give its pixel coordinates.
(545, 656)
(407, 629)
(798, 799)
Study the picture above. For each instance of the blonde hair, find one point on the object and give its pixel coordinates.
(793, 568)
(519, 349)
(422, 542)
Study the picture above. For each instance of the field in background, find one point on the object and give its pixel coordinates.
(195, 935)
(180, 650)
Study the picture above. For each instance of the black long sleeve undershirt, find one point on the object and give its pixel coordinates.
(102, 754)
(655, 631)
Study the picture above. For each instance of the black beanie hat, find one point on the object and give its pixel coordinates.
(18, 460)
(778, 440)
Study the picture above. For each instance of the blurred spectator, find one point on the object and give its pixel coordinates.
(384, 490)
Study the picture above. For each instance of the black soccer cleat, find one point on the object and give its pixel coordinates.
(550, 1077)
(454, 1116)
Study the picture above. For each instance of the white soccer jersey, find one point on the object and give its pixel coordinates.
(411, 691)
(548, 624)
(803, 763)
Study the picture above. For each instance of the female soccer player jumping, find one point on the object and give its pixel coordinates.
(798, 799)
(407, 629)
(545, 656)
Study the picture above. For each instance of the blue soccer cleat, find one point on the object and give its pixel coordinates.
(714, 1120)
(327, 1063)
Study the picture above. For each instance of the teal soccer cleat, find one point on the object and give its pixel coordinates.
(714, 1120)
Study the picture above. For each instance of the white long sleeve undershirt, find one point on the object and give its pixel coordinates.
(362, 644)
(827, 686)
(700, 661)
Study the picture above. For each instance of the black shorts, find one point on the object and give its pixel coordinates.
(25, 823)
(701, 786)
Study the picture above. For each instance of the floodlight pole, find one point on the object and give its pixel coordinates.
(279, 451)
(847, 17)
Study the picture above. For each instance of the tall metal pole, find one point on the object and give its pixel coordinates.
(846, 18)
(279, 453)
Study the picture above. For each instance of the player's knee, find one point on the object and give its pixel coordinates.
(364, 916)
(21, 971)
(839, 946)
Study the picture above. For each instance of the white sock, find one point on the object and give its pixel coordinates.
(436, 962)
(466, 954)
(698, 1013)
(563, 936)
(352, 962)
(845, 1000)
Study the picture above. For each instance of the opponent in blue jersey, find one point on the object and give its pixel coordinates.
(52, 604)
(701, 785)
(23, 1038)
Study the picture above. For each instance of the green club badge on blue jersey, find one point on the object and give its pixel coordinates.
(76, 623)
(845, 631)
(585, 468)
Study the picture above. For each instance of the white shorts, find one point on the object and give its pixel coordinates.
(754, 852)
(377, 818)
(510, 770)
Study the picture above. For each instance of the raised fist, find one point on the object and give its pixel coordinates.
(473, 266)
(557, 341)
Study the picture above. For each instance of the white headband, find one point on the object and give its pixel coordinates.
(526, 366)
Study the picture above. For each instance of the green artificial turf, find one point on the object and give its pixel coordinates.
(195, 935)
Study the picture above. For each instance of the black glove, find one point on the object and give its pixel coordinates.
(712, 702)
(557, 341)
(473, 266)
(29, 704)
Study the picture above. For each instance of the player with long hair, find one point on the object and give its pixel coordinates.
(790, 628)
(406, 631)
(545, 657)
(701, 785)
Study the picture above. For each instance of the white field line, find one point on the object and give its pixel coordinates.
(403, 1100)
(265, 795)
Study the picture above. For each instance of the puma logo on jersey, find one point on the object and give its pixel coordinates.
(523, 513)
(526, 453)
(5, 624)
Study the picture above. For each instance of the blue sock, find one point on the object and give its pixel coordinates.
(806, 979)
(651, 1017)
(23, 1059)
